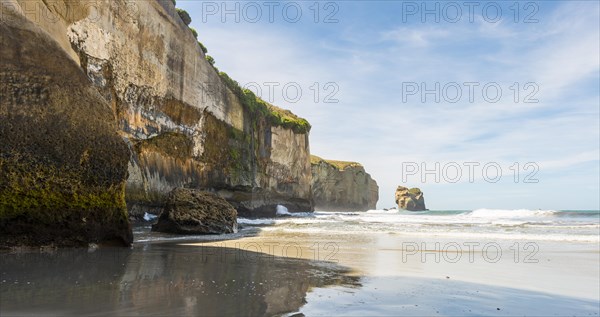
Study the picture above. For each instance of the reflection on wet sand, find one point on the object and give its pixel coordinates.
(160, 279)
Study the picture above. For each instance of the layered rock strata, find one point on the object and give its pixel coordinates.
(340, 185)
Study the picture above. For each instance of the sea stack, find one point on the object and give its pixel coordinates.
(410, 199)
(342, 186)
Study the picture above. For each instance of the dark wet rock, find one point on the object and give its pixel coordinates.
(192, 211)
(63, 165)
(259, 203)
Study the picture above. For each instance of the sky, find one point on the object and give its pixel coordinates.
(479, 104)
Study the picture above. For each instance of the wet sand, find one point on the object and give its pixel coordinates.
(161, 279)
(423, 276)
(278, 272)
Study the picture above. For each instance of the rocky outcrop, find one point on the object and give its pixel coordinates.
(98, 97)
(188, 125)
(63, 166)
(338, 185)
(190, 211)
(410, 199)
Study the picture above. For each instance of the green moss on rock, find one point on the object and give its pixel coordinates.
(258, 107)
(227, 152)
(210, 60)
(194, 32)
(44, 204)
(185, 16)
(62, 164)
(202, 47)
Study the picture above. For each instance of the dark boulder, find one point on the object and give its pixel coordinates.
(192, 211)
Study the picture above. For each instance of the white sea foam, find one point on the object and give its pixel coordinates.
(510, 213)
(450, 234)
(149, 217)
(508, 236)
(518, 224)
(245, 221)
(377, 211)
(282, 211)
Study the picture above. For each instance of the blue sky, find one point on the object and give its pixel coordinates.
(375, 54)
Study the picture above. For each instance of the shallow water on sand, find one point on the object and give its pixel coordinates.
(159, 279)
(378, 263)
(410, 296)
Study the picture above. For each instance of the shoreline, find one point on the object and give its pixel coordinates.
(161, 279)
(281, 270)
(560, 268)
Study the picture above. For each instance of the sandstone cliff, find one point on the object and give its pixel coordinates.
(410, 199)
(339, 185)
(62, 164)
(75, 74)
(187, 124)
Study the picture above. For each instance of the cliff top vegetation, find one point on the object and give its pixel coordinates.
(341, 165)
(275, 116)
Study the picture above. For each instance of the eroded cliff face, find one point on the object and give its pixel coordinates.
(63, 165)
(185, 126)
(339, 186)
(99, 96)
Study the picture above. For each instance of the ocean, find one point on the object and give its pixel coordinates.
(376, 263)
(499, 224)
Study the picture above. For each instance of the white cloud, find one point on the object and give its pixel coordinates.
(571, 160)
(372, 125)
(415, 37)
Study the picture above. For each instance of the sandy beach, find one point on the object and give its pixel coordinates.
(292, 267)
(158, 279)
(299, 158)
(452, 278)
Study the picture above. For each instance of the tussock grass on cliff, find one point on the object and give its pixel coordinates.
(341, 165)
(274, 115)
